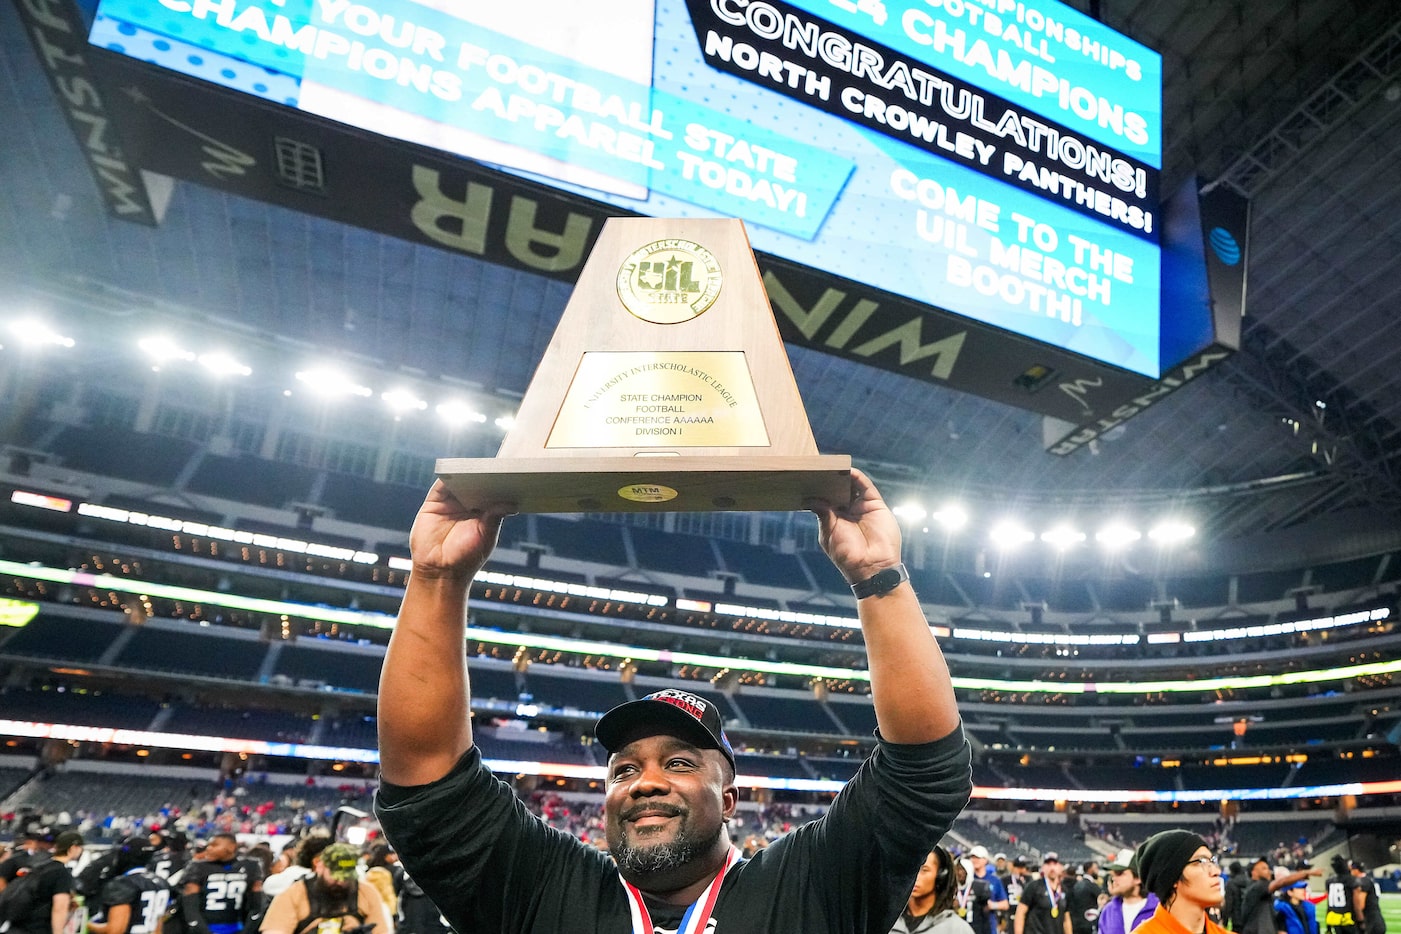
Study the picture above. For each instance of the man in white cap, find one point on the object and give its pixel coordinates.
(986, 896)
(491, 866)
(1128, 905)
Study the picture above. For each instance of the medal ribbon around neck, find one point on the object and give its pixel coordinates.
(964, 896)
(695, 918)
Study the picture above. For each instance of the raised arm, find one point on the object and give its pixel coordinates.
(423, 692)
(910, 684)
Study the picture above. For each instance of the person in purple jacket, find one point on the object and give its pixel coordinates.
(1128, 905)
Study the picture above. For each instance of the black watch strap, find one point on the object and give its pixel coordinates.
(883, 581)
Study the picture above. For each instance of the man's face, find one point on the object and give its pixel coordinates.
(325, 876)
(924, 882)
(980, 865)
(1260, 872)
(1051, 871)
(665, 806)
(1201, 880)
(222, 849)
(1122, 882)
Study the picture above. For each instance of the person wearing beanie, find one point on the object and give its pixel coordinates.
(1178, 867)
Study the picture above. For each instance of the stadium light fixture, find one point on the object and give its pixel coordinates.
(457, 413)
(1062, 536)
(1171, 532)
(1010, 535)
(329, 383)
(34, 333)
(163, 350)
(219, 363)
(910, 512)
(401, 401)
(1117, 535)
(951, 516)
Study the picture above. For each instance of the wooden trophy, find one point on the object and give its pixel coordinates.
(665, 388)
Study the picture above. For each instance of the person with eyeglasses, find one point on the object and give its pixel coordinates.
(1178, 867)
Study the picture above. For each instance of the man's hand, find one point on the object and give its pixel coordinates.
(450, 540)
(861, 537)
(424, 703)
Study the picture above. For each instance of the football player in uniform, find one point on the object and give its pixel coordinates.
(172, 854)
(133, 901)
(220, 891)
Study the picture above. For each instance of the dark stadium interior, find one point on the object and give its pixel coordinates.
(227, 525)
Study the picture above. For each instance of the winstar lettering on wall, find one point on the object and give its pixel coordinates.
(327, 45)
(1170, 382)
(737, 169)
(59, 41)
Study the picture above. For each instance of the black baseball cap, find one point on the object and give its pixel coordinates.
(678, 713)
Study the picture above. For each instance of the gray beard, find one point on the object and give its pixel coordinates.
(640, 862)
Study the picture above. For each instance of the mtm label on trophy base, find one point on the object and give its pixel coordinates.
(702, 398)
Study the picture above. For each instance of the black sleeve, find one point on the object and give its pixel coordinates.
(254, 868)
(195, 874)
(1253, 898)
(865, 852)
(481, 857)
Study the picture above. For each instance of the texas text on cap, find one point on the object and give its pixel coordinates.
(679, 713)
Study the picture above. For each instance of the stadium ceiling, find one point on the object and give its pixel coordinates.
(1295, 103)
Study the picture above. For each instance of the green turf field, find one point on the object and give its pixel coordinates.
(1391, 911)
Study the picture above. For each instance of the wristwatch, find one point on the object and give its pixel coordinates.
(881, 582)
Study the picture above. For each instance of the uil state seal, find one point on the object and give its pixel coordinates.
(669, 281)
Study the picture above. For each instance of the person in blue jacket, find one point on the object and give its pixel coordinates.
(1294, 913)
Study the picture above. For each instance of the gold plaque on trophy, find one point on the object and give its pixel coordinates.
(665, 388)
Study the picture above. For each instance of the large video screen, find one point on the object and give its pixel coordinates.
(998, 159)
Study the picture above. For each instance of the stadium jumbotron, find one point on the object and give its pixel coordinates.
(226, 381)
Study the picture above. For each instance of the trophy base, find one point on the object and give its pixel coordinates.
(681, 483)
